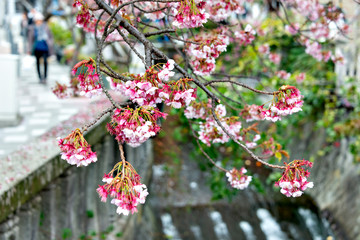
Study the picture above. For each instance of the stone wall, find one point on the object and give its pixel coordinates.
(59, 201)
(336, 178)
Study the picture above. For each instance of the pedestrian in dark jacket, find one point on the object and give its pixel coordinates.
(41, 44)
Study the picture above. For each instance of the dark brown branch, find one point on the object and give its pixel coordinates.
(149, 25)
(116, 75)
(149, 34)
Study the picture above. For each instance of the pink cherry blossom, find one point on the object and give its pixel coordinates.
(275, 58)
(300, 77)
(246, 36)
(61, 91)
(85, 74)
(283, 74)
(220, 10)
(125, 189)
(166, 72)
(135, 126)
(294, 179)
(203, 55)
(314, 49)
(145, 90)
(264, 49)
(190, 14)
(238, 179)
(293, 29)
(287, 101)
(75, 149)
(252, 113)
(210, 132)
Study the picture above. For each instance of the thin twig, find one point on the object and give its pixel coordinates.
(105, 112)
(203, 151)
(240, 84)
(213, 105)
(99, 50)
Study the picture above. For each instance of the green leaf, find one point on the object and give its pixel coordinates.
(278, 155)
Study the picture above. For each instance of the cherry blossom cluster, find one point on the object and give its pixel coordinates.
(84, 17)
(283, 74)
(123, 185)
(220, 10)
(167, 72)
(89, 83)
(314, 49)
(250, 143)
(210, 132)
(294, 178)
(287, 100)
(152, 11)
(149, 89)
(307, 8)
(190, 14)
(75, 149)
(238, 179)
(144, 89)
(300, 77)
(293, 28)
(246, 36)
(264, 49)
(194, 13)
(197, 110)
(321, 16)
(268, 147)
(203, 55)
(275, 58)
(61, 90)
(135, 126)
(181, 94)
(252, 113)
(87, 20)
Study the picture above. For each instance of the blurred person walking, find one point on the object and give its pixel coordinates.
(40, 43)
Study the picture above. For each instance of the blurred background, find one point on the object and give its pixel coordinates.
(41, 197)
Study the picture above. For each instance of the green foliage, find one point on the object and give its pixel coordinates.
(41, 220)
(62, 36)
(89, 213)
(94, 235)
(67, 233)
(219, 186)
(259, 186)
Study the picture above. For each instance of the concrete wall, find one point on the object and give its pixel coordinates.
(336, 178)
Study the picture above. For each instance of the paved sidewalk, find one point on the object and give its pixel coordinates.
(39, 108)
